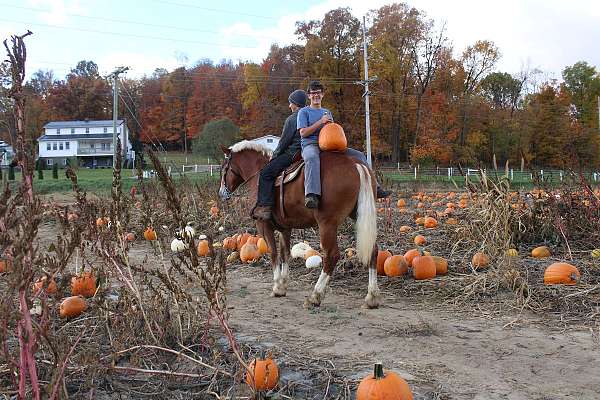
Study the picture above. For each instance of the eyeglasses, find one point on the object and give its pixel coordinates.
(316, 93)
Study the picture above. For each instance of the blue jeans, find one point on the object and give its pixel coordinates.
(312, 166)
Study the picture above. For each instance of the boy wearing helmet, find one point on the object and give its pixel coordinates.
(282, 157)
(310, 121)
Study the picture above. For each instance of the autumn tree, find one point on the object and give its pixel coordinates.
(582, 83)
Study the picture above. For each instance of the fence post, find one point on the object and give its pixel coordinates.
(512, 174)
(195, 167)
(415, 173)
(211, 172)
(449, 172)
(398, 166)
(169, 171)
(542, 173)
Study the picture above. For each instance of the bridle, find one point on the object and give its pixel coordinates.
(226, 168)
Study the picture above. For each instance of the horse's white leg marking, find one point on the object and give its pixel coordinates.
(285, 274)
(319, 292)
(372, 299)
(278, 288)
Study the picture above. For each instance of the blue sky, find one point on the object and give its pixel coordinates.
(543, 34)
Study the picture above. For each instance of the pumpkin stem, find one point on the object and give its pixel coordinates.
(378, 371)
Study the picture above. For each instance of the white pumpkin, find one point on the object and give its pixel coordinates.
(313, 262)
(299, 250)
(178, 245)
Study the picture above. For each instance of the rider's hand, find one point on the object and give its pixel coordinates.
(325, 119)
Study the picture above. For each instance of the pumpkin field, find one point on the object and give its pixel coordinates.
(489, 293)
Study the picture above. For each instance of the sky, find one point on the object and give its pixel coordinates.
(146, 34)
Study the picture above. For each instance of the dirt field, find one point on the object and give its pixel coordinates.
(444, 349)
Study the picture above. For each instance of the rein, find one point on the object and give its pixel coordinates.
(228, 168)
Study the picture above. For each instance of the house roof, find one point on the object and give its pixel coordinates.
(266, 137)
(81, 124)
(72, 136)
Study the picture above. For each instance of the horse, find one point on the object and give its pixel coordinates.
(348, 190)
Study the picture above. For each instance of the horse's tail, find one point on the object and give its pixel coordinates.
(366, 217)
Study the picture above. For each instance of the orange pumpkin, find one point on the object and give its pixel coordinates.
(242, 239)
(150, 234)
(249, 252)
(480, 260)
(263, 248)
(101, 222)
(405, 228)
(203, 248)
(230, 243)
(423, 267)
(332, 138)
(311, 252)
(401, 203)
(395, 266)
(451, 221)
(263, 374)
(4, 265)
(214, 211)
(561, 273)
(420, 221)
(382, 255)
(541, 252)
(72, 306)
(84, 285)
(410, 255)
(441, 265)
(430, 222)
(420, 240)
(40, 283)
(383, 385)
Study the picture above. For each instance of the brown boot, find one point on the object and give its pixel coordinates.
(263, 212)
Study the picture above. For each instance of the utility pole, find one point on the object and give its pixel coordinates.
(598, 113)
(115, 76)
(365, 82)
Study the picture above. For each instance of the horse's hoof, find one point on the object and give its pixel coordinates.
(372, 302)
(278, 294)
(311, 302)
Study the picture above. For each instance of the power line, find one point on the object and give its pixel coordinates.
(131, 22)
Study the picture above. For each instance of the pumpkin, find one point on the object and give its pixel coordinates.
(441, 265)
(405, 228)
(262, 374)
(430, 222)
(595, 253)
(332, 138)
(178, 245)
(41, 283)
(242, 239)
(203, 248)
(101, 222)
(299, 249)
(561, 273)
(480, 260)
(512, 253)
(383, 385)
(541, 252)
(420, 221)
(249, 252)
(130, 237)
(150, 233)
(233, 256)
(401, 203)
(395, 266)
(420, 240)
(313, 261)
(229, 243)
(72, 306)
(263, 248)
(4, 265)
(84, 285)
(382, 255)
(253, 240)
(423, 267)
(410, 255)
(214, 211)
(311, 252)
(451, 221)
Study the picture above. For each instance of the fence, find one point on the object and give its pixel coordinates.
(178, 170)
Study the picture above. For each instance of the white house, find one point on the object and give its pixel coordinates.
(270, 141)
(6, 153)
(88, 141)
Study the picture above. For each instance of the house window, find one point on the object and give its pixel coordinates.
(87, 130)
(105, 130)
(58, 131)
(49, 161)
(65, 161)
(72, 130)
(92, 145)
(48, 146)
(269, 140)
(60, 146)
(67, 144)
(54, 146)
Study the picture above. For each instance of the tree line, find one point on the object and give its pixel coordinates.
(428, 104)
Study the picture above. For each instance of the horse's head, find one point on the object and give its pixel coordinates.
(231, 177)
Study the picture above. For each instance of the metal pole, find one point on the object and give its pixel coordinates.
(367, 116)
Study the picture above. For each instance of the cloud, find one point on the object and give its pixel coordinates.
(59, 10)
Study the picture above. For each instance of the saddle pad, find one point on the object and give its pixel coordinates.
(290, 173)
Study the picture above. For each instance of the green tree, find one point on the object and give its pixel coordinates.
(217, 132)
(582, 82)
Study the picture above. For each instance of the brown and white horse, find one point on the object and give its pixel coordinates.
(348, 190)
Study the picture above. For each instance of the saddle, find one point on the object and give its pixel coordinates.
(288, 175)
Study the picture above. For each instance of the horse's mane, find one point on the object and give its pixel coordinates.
(250, 145)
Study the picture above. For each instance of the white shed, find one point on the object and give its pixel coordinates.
(270, 141)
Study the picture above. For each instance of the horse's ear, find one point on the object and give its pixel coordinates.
(226, 150)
